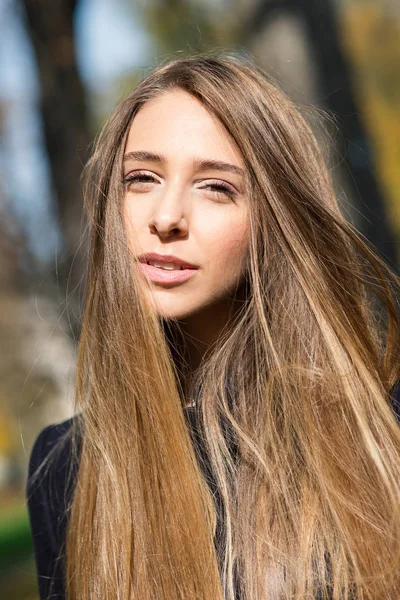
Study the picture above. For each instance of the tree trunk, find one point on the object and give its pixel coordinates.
(335, 84)
(66, 129)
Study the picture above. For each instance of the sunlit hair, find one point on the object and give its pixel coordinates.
(298, 384)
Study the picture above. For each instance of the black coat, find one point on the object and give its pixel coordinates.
(48, 501)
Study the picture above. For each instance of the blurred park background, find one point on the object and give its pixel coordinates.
(64, 65)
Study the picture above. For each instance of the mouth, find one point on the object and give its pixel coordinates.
(169, 261)
(167, 276)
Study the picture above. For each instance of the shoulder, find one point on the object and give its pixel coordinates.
(51, 470)
(49, 436)
(53, 451)
(47, 439)
(52, 467)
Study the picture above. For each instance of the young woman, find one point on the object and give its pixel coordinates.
(238, 365)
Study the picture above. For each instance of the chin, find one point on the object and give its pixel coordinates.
(171, 310)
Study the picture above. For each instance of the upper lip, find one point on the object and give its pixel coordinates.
(165, 258)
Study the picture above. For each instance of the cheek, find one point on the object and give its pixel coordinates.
(227, 246)
(132, 222)
(130, 215)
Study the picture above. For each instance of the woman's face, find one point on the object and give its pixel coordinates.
(175, 205)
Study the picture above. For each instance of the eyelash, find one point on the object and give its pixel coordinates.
(219, 188)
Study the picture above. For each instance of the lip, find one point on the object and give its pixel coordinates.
(165, 258)
(157, 275)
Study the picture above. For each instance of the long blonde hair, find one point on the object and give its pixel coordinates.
(299, 384)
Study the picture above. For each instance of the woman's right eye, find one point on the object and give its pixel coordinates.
(139, 177)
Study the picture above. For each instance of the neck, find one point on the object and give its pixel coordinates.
(202, 331)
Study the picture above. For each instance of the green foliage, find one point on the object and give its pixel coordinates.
(188, 26)
(15, 536)
(371, 36)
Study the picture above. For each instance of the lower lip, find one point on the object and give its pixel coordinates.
(163, 276)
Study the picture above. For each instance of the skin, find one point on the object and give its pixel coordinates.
(179, 213)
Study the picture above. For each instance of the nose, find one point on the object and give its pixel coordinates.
(169, 213)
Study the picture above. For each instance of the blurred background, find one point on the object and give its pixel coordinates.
(64, 65)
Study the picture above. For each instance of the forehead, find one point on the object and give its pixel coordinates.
(176, 122)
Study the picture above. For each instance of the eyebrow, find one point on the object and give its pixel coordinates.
(200, 164)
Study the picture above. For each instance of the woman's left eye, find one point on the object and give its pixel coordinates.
(221, 188)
